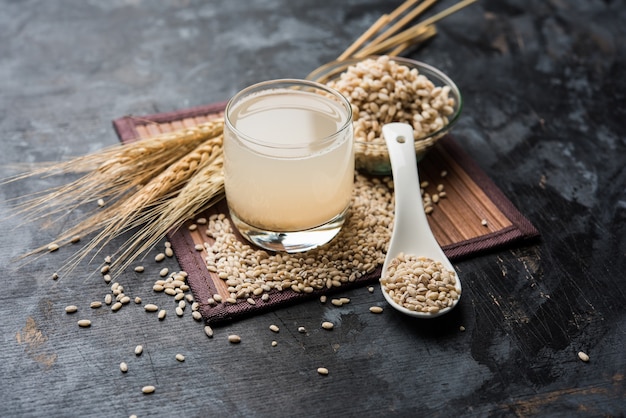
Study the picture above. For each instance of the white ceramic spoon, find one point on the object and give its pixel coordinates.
(411, 233)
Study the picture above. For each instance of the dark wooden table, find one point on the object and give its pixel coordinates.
(545, 105)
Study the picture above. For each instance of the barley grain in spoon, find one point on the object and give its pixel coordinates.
(411, 233)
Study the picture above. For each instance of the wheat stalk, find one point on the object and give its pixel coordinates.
(112, 172)
(141, 207)
(202, 191)
(139, 178)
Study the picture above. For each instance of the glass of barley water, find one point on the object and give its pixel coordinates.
(288, 163)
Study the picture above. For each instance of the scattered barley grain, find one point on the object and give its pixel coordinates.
(583, 356)
(208, 331)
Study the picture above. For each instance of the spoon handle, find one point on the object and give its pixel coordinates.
(411, 228)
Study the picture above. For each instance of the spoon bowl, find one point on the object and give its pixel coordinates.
(411, 233)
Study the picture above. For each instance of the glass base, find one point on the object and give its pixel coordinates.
(290, 241)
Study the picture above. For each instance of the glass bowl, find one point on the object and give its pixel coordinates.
(371, 156)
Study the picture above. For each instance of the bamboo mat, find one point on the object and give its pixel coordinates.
(474, 217)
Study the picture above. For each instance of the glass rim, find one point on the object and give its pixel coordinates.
(286, 83)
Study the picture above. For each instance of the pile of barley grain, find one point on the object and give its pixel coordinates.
(357, 250)
(381, 91)
(420, 284)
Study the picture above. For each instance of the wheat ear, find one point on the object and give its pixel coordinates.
(202, 191)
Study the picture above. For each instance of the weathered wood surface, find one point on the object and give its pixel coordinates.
(544, 108)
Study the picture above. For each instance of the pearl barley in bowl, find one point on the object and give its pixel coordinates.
(387, 89)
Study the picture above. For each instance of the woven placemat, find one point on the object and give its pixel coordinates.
(474, 217)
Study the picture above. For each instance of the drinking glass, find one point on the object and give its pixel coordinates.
(288, 163)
